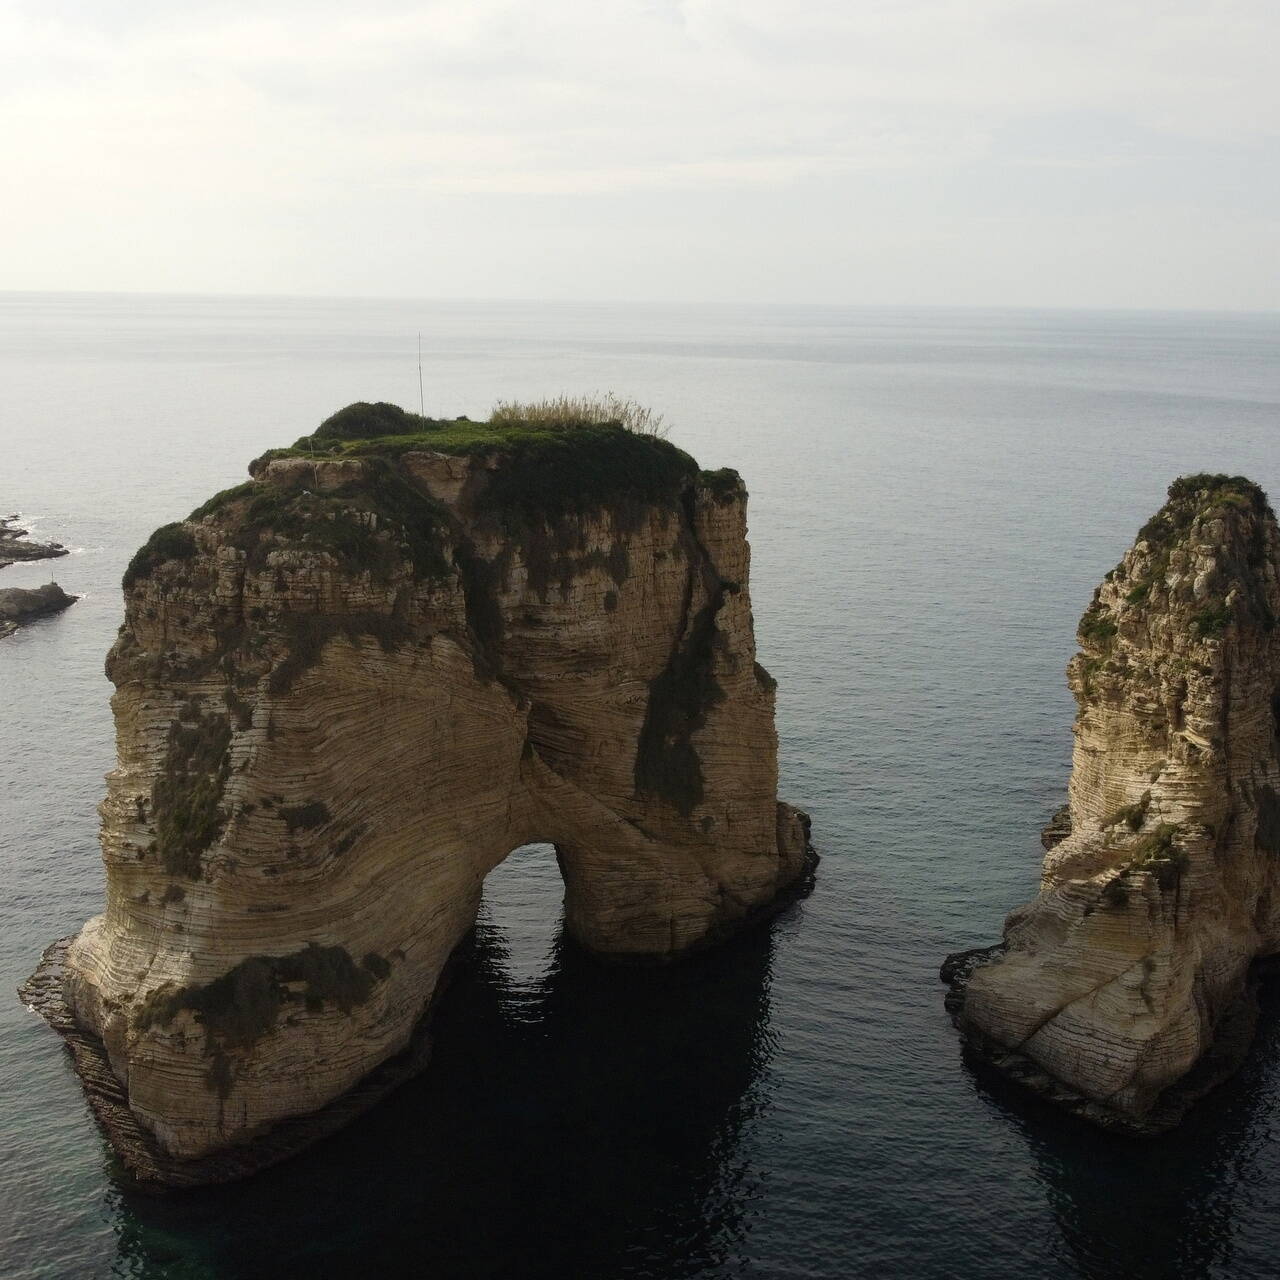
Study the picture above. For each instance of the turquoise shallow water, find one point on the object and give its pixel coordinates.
(934, 496)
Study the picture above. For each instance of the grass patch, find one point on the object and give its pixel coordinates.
(580, 411)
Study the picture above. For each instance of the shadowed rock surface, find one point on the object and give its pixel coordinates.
(1122, 991)
(345, 691)
(20, 604)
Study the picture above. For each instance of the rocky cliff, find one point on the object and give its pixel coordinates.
(345, 691)
(1121, 990)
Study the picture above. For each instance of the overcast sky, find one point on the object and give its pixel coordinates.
(1023, 152)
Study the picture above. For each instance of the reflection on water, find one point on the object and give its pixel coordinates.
(1163, 1207)
(581, 1121)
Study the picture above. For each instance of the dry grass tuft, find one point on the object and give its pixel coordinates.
(580, 411)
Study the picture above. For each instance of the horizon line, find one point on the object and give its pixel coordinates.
(482, 300)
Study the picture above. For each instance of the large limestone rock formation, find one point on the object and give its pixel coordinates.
(1122, 989)
(348, 689)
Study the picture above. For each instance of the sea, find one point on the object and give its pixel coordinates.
(934, 496)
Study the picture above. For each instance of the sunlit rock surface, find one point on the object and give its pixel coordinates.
(1121, 990)
(348, 689)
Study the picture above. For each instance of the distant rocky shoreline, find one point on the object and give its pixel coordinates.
(18, 605)
(15, 548)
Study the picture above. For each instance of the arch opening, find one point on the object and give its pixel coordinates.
(521, 918)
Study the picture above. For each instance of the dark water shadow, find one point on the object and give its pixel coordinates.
(595, 1131)
(1154, 1208)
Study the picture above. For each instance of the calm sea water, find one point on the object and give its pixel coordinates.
(934, 496)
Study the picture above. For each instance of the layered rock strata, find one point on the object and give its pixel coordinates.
(19, 605)
(347, 690)
(1122, 990)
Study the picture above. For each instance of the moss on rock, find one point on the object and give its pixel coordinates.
(186, 797)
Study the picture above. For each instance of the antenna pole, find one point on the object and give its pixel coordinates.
(422, 407)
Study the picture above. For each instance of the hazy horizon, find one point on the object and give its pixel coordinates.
(655, 303)
(993, 153)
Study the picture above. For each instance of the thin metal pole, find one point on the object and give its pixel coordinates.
(422, 405)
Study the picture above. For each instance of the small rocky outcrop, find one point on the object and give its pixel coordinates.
(14, 545)
(19, 605)
(1122, 990)
(345, 691)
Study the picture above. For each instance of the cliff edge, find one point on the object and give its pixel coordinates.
(345, 691)
(1122, 990)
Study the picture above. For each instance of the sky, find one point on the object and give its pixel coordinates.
(1092, 153)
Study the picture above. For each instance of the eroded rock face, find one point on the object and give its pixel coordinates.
(344, 693)
(1160, 887)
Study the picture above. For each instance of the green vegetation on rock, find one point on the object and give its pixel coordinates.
(1211, 620)
(169, 542)
(239, 1008)
(186, 797)
(1198, 497)
(725, 485)
(366, 524)
(1157, 854)
(362, 421)
(559, 463)
(1096, 627)
(1131, 815)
